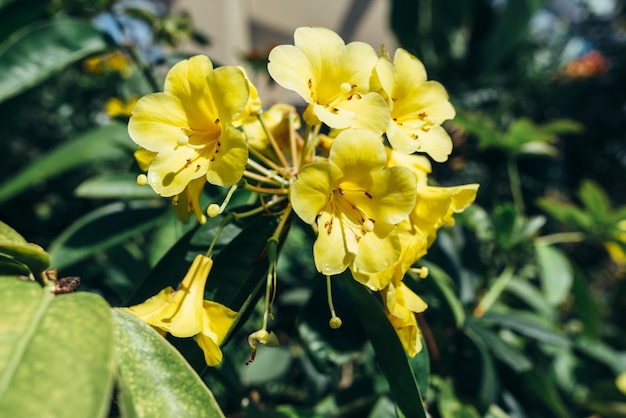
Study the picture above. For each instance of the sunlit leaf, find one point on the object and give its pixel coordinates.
(451, 407)
(100, 144)
(595, 200)
(155, 380)
(38, 52)
(54, 349)
(13, 245)
(530, 325)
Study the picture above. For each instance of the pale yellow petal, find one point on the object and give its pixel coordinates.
(391, 196)
(335, 117)
(153, 307)
(230, 90)
(377, 250)
(410, 300)
(290, 68)
(226, 166)
(409, 69)
(335, 247)
(310, 193)
(156, 122)
(371, 110)
(171, 171)
(357, 152)
(435, 142)
(217, 320)
(144, 158)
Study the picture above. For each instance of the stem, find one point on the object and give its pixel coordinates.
(223, 224)
(277, 150)
(257, 210)
(264, 170)
(266, 190)
(292, 142)
(561, 237)
(494, 292)
(516, 184)
(260, 178)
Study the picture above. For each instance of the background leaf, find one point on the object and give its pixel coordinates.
(40, 51)
(106, 143)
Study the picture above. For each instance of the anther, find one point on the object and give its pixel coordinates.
(142, 180)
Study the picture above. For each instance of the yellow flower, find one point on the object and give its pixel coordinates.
(355, 204)
(117, 107)
(418, 107)
(332, 77)
(401, 305)
(180, 311)
(276, 120)
(216, 321)
(189, 126)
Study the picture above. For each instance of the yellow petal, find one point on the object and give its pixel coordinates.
(183, 316)
(152, 309)
(357, 152)
(309, 194)
(172, 170)
(144, 158)
(217, 320)
(227, 166)
(371, 112)
(290, 68)
(391, 197)
(335, 247)
(231, 91)
(212, 352)
(377, 250)
(156, 121)
(408, 332)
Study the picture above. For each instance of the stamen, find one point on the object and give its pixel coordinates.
(213, 210)
(368, 225)
(142, 180)
(335, 322)
(345, 88)
(182, 140)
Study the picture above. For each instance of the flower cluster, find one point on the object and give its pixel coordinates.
(361, 186)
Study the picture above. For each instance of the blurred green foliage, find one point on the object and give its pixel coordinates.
(526, 293)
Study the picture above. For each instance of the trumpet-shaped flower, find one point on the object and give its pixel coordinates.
(189, 126)
(180, 311)
(332, 77)
(401, 305)
(418, 107)
(355, 204)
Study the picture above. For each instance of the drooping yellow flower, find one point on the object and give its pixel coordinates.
(401, 304)
(355, 204)
(180, 311)
(189, 126)
(332, 77)
(276, 121)
(216, 321)
(418, 107)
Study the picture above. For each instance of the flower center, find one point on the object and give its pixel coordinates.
(343, 207)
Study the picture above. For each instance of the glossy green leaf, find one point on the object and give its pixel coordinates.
(390, 354)
(106, 143)
(103, 228)
(37, 52)
(56, 352)
(529, 325)
(567, 213)
(155, 380)
(513, 357)
(555, 272)
(10, 266)
(114, 186)
(13, 245)
(588, 308)
(445, 285)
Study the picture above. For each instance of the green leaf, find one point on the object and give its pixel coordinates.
(489, 385)
(514, 358)
(38, 52)
(587, 307)
(13, 245)
(451, 407)
(445, 285)
(155, 380)
(390, 354)
(529, 325)
(114, 186)
(10, 266)
(544, 388)
(101, 229)
(56, 352)
(100, 144)
(595, 200)
(567, 213)
(482, 127)
(556, 273)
